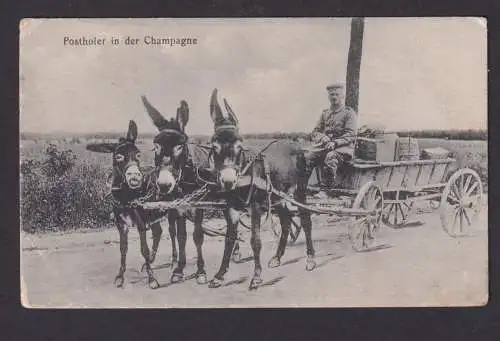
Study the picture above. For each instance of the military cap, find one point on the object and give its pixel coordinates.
(334, 86)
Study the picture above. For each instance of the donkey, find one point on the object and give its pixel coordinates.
(286, 164)
(228, 161)
(128, 184)
(176, 167)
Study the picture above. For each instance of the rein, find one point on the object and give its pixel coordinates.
(207, 182)
(259, 154)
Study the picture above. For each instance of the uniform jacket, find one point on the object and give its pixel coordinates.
(340, 127)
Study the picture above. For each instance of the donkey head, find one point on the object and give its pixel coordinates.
(170, 145)
(126, 157)
(227, 146)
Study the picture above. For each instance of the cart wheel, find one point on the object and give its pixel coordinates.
(362, 229)
(396, 214)
(461, 202)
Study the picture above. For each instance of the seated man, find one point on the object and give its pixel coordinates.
(334, 137)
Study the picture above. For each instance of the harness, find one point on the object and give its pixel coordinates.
(180, 179)
(146, 192)
(149, 191)
(242, 177)
(256, 182)
(250, 180)
(142, 194)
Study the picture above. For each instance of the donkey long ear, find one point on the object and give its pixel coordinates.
(132, 131)
(102, 147)
(183, 114)
(231, 113)
(158, 120)
(215, 110)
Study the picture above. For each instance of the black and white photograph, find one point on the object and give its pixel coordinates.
(253, 162)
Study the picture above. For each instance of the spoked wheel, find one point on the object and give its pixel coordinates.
(362, 229)
(461, 202)
(396, 213)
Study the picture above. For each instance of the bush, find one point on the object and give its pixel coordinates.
(60, 193)
(479, 163)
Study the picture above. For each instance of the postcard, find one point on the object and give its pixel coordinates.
(253, 162)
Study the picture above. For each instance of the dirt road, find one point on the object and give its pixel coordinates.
(418, 265)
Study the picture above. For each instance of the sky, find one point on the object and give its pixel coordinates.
(415, 73)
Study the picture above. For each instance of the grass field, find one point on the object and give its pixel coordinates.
(69, 191)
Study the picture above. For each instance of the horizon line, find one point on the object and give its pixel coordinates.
(249, 133)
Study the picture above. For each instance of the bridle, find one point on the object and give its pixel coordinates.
(141, 193)
(238, 166)
(184, 162)
(120, 170)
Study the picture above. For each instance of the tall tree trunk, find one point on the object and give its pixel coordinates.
(354, 62)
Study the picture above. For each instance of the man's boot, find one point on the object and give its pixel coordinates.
(327, 179)
(325, 184)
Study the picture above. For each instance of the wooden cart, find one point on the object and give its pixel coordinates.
(402, 183)
(368, 194)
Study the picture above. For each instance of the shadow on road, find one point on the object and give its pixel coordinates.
(302, 243)
(163, 266)
(328, 260)
(236, 281)
(412, 224)
(136, 280)
(244, 260)
(165, 285)
(378, 247)
(272, 281)
(292, 261)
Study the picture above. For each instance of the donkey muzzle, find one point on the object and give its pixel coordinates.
(228, 178)
(166, 181)
(133, 177)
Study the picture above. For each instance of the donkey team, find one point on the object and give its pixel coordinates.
(180, 169)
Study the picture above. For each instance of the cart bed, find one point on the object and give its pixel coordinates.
(394, 176)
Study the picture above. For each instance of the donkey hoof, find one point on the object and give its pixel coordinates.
(236, 257)
(176, 278)
(153, 283)
(310, 264)
(255, 283)
(274, 262)
(201, 278)
(119, 281)
(215, 283)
